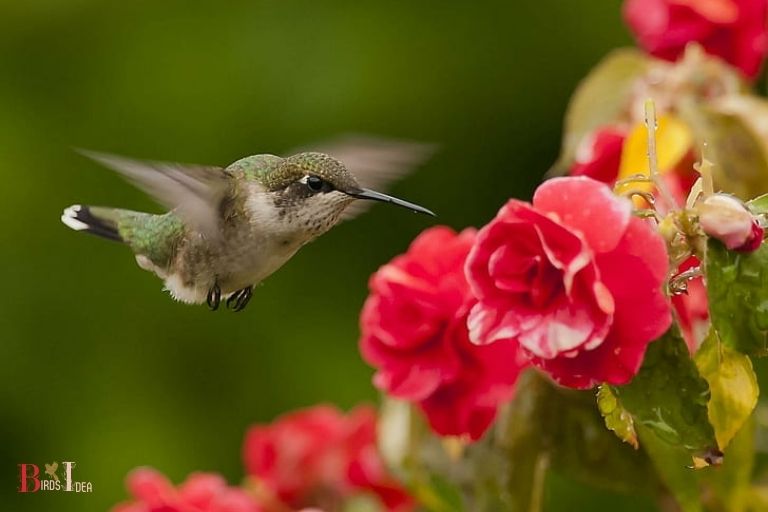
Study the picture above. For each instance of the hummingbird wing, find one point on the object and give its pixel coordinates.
(375, 162)
(195, 192)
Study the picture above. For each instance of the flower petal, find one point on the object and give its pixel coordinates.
(588, 206)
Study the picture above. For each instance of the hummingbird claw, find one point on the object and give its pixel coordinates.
(238, 300)
(214, 297)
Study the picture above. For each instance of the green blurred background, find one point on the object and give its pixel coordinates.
(99, 366)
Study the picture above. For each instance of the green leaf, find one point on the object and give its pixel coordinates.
(669, 397)
(672, 465)
(549, 424)
(759, 205)
(737, 288)
(729, 486)
(722, 488)
(437, 494)
(545, 428)
(733, 387)
(616, 417)
(734, 142)
(522, 436)
(600, 99)
(362, 503)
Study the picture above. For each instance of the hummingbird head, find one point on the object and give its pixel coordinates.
(313, 190)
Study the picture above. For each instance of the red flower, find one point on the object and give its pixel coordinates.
(692, 308)
(366, 469)
(414, 332)
(201, 492)
(575, 279)
(318, 456)
(414, 304)
(734, 30)
(599, 155)
(468, 404)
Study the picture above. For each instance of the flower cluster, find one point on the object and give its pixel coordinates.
(319, 456)
(571, 284)
(201, 492)
(311, 460)
(707, 50)
(733, 30)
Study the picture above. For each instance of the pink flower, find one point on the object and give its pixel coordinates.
(727, 219)
(414, 332)
(318, 455)
(201, 492)
(366, 470)
(734, 30)
(599, 155)
(574, 279)
(468, 404)
(413, 307)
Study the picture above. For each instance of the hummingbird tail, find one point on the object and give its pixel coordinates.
(96, 221)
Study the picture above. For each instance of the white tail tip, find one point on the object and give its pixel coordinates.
(69, 218)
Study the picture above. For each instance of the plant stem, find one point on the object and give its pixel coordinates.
(539, 478)
(653, 164)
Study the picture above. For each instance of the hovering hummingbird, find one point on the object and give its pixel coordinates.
(229, 228)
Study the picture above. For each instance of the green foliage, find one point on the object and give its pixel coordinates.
(600, 98)
(672, 465)
(565, 426)
(669, 398)
(733, 143)
(723, 488)
(733, 388)
(437, 494)
(545, 429)
(737, 288)
(617, 418)
(729, 485)
(759, 205)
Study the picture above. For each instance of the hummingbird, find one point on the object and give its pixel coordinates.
(229, 228)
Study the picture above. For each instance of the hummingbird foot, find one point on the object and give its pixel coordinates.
(238, 300)
(214, 297)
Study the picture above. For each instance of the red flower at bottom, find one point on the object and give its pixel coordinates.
(318, 455)
(201, 492)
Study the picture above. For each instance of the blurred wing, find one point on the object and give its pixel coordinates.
(195, 192)
(375, 162)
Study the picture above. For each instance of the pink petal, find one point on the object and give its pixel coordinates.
(634, 273)
(411, 384)
(150, 486)
(588, 206)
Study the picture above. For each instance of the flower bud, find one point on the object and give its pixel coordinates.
(727, 219)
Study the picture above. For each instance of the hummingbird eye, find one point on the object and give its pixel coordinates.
(315, 184)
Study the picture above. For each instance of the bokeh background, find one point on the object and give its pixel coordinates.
(97, 364)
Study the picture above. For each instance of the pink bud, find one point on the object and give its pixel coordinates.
(727, 219)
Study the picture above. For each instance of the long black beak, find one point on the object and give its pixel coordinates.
(365, 193)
